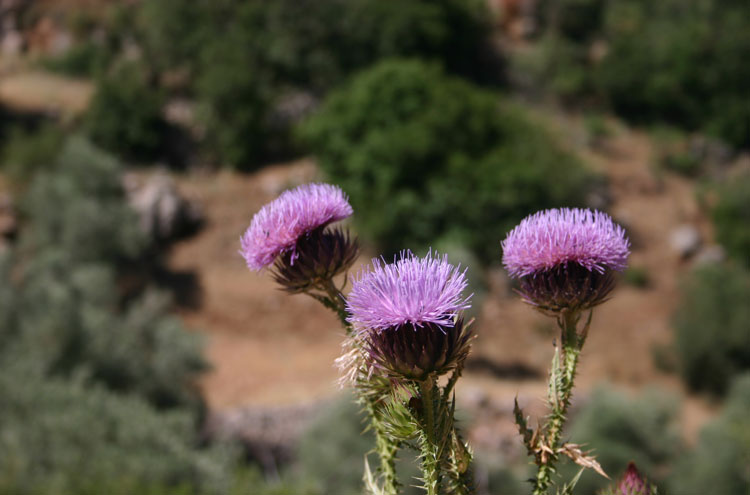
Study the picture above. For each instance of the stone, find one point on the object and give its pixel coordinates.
(164, 214)
(685, 240)
(710, 255)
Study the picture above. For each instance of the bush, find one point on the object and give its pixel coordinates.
(718, 465)
(96, 388)
(673, 61)
(731, 217)
(680, 62)
(448, 160)
(27, 151)
(712, 334)
(245, 69)
(125, 114)
(62, 435)
(84, 59)
(67, 314)
(315, 44)
(620, 430)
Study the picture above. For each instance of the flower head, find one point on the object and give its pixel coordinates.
(277, 227)
(411, 290)
(565, 258)
(551, 238)
(407, 314)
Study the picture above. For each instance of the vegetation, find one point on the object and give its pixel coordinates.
(718, 465)
(26, 151)
(621, 430)
(731, 216)
(125, 114)
(97, 385)
(671, 61)
(289, 47)
(712, 334)
(449, 160)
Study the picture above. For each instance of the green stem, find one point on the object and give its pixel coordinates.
(431, 456)
(562, 377)
(336, 302)
(461, 478)
(386, 448)
(387, 451)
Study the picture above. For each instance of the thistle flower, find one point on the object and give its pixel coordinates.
(278, 226)
(565, 259)
(407, 314)
(632, 483)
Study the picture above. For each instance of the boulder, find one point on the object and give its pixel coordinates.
(685, 240)
(164, 214)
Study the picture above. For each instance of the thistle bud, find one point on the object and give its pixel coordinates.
(632, 483)
(316, 258)
(413, 353)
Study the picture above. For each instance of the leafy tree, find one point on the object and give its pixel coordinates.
(441, 156)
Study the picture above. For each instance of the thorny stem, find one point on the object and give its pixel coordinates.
(562, 376)
(430, 448)
(386, 448)
(461, 482)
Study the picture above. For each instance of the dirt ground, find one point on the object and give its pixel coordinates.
(268, 348)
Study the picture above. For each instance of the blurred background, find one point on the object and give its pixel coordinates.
(139, 137)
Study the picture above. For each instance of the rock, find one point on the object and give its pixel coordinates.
(292, 107)
(711, 150)
(164, 214)
(710, 255)
(11, 44)
(269, 434)
(685, 240)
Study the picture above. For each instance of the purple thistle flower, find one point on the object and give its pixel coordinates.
(411, 290)
(551, 238)
(565, 258)
(277, 227)
(407, 315)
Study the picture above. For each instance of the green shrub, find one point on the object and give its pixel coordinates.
(62, 435)
(719, 463)
(97, 388)
(680, 62)
(578, 20)
(712, 335)
(67, 314)
(244, 69)
(620, 430)
(673, 61)
(83, 59)
(731, 217)
(425, 156)
(125, 114)
(27, 151)
(315, 44)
